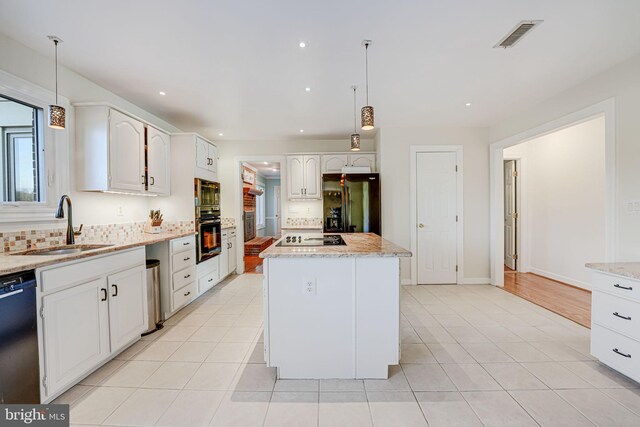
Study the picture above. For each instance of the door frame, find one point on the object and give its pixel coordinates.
(604, 109)
(413, 188)
(238, 195)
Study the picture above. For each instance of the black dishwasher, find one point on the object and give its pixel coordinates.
(19, 366)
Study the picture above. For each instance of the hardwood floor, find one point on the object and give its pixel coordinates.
(561, 298)
(252, 265)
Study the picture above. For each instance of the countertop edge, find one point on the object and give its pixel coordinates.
(629, 270)
(339, 255)
(32, 262)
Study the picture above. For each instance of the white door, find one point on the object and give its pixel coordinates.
(127, 306)
(75, 331)
(312, 187)
(158, 168)
(202, 154)
(510, 215)
(126, 153)
(277, 197)
(367, 160)
(224, 256)
(333, 163)
(295, 175)
(232, 254)
(436, 217)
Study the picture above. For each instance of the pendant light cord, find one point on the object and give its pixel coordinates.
(355, 126)
(56, 43)
(366, 68)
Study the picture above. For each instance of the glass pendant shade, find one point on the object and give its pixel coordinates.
(56, 117)
(366, 117)
(355, 142)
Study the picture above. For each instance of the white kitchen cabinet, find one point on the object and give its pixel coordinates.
(158, 165)
(232, 250)
(224, 255)
(364, 160)
(206, 160)
(75, 333)
(303, 174)
(127, 306)
(110, 152)
(333, 163)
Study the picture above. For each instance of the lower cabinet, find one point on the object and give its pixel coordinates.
(224, 255)
(99, 310)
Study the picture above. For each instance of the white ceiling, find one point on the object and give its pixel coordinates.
(236, 68)
(266, 169)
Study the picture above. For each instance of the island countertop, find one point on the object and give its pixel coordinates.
(625, 269)
(357, 245)
(15, 262)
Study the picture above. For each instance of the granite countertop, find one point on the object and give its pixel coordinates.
(626, 269)
(357, 245)
(13, 263)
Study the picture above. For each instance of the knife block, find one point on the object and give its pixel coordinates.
(153, 227)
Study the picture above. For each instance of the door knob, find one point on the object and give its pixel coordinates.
(421, 225)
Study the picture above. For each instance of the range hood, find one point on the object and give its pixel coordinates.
(255, 191)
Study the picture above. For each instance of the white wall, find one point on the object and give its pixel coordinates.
(89, 208)
(228, 150)
(394, 156)
(562, 190)
(623, 83)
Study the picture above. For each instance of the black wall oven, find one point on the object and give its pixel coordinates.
(208, 226)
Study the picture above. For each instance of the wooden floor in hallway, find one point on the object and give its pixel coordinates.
(561, 298)
(252, 265)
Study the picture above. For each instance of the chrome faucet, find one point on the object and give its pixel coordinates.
(60, 214)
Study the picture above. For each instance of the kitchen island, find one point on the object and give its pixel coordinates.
(332, 306)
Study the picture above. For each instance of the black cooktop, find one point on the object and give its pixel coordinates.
(312, 240)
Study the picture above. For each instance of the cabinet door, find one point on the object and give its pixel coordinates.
(75, 333)
(363, 160)
(333, 163)
(213, 158)
(202, 154)
(126, 153)
(312, 188)
(224, 257)
(127, 306)
(295, 170)
(232, 254)
(158, 169)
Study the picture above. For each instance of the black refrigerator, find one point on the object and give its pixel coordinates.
(351, 203)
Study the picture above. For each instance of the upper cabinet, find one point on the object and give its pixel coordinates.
(206, 160)
(333, 163)
(158, 165)
(303, 173)
(114, 153)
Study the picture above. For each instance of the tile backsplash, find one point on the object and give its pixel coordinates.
(227, 222)
(21, 240)
(304, 222)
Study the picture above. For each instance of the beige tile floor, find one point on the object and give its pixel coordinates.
(471, 356)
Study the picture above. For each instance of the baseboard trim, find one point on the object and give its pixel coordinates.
(559, 278)
(405, 282)
(476, 281)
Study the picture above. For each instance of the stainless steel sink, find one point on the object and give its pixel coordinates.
(62, 250)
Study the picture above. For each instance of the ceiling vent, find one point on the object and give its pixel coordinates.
(517, 33)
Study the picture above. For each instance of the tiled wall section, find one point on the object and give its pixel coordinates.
(228, 222)
(15, 241)
(304, 222)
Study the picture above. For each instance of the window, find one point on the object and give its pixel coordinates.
(22, 159)
(260, 207)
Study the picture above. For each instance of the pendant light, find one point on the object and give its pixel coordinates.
(366, 114)
(56, 112)
(355, 136)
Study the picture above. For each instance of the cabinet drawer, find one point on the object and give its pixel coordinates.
(621, 315)
(183, 260)
(182, 244)
(184, 295)
(616, 285)
(207, 282)
(232, 232)
(183, 277)
(617, 351)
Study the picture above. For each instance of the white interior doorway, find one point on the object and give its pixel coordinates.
(436, 210)
(511, 214)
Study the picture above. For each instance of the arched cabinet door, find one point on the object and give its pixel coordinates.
(126, 153)
(158, 166)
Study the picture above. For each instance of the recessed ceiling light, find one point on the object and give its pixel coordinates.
(308, 89)
(265, 163)
(220, 134)
(301, 130)
(302, 44)
(468, 104)
(162, 93)
(275, 170)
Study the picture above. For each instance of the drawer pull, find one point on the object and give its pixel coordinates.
(615, 350)
(189, 293)
(186, 243)
(186, 259)
(187, 276)
(630, 288)
(622, 317)
(210, 280)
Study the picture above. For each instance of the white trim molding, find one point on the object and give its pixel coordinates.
(413, 188)
(604, 109)
(476, 281)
